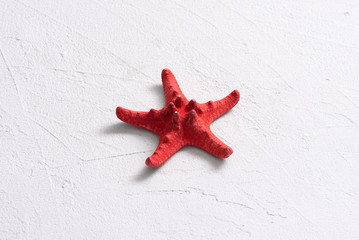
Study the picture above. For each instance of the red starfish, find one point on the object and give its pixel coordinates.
(181, 122)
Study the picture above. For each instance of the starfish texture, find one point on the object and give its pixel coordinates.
(181, 122)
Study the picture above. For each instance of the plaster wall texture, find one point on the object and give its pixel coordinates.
(69, 169)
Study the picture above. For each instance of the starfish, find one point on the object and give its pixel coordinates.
(181, 122)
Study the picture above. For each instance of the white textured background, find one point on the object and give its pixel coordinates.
(70, 170)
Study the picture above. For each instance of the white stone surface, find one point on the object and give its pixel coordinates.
(69, 169)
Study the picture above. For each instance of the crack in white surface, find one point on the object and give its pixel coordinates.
(116, 156)
(197, 191)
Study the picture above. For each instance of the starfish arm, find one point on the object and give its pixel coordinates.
(172, 89)
(211, 144)
(137, 118)
(166, 148)
(220, 107)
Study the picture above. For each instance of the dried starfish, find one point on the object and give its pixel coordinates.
(181, 122)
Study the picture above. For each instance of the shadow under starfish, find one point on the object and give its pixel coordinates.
(181, 122)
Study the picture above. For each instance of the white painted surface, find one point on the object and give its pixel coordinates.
(70, 170)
